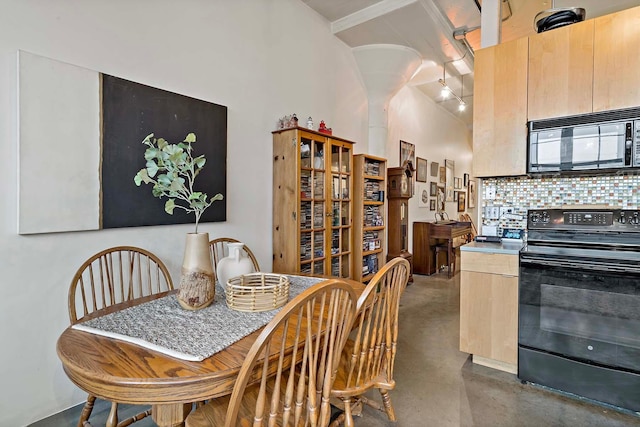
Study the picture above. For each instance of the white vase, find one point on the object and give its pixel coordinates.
(235, 264)
(197, 283)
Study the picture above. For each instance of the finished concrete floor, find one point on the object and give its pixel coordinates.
(437, 385)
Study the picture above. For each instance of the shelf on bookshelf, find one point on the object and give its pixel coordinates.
(375, 251)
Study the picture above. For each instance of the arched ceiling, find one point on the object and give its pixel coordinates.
(428, 26)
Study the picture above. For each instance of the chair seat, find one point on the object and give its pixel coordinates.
(287, 375)
(340, 387)
(214, 412)
(367, 359)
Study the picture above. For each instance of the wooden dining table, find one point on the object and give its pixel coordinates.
(123, 372)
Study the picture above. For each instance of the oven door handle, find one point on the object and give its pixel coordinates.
(579, 264)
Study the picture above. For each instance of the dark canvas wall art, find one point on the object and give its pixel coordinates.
(130, 112)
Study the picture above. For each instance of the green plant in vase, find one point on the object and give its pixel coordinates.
(172, 170)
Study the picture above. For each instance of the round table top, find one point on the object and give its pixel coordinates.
(127, 373)
(122, 372)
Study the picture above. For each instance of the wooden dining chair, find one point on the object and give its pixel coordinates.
(310, 330)
(368, 358)
(467, 218)
(220, 249)
(115, 275)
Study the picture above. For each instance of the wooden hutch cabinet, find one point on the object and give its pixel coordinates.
(369, 215)
(400, 190)
(312, 203)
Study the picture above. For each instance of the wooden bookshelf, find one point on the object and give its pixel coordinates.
(369, 215)
(312, 205)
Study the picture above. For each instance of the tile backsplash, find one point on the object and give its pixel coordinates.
(519, 194)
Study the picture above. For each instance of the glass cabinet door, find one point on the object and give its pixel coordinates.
(340, 210)
(312, 206)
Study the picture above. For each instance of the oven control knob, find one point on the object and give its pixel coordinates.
(534, 217)
(622, 219)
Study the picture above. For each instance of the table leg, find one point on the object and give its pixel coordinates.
(170, 415)
(112, 419)
(449, 257)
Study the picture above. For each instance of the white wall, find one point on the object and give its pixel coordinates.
(261, 58)
(437, 135)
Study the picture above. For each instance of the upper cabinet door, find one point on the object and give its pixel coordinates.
(500, 110)
(561, 72)
(616, 78)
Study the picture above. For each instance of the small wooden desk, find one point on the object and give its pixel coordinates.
(426, 236)
(126, 373)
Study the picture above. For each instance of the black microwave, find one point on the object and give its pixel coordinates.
(593, 142)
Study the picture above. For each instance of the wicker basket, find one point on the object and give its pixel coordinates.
(257, 292)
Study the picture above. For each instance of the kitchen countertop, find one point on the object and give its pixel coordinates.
(510, 247)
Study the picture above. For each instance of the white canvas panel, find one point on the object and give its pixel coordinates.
(59, 146)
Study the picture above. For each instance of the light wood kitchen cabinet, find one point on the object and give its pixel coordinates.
(561, 72)
(312, 205)
(616, 73)
(500, 110)
(489, 308)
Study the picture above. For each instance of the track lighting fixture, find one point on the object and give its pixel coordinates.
(462, 106)
(446, 90)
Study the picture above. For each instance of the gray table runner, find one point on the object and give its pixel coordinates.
(162, 325)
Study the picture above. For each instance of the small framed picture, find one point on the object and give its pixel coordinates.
(461, 201)
(448, 180)
(423, 200)
(455, 196)
(432, 204)
(443, 175)
(421, 174)
(472, 193)
(407, 153)
(440, 202)
(466, 180)
(457, 182)
(433, 188)
(434, 169)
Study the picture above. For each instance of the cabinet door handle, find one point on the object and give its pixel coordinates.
(294, 215)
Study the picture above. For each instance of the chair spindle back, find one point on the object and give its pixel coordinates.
(311, 330)
(115, 275)
(376, 330)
